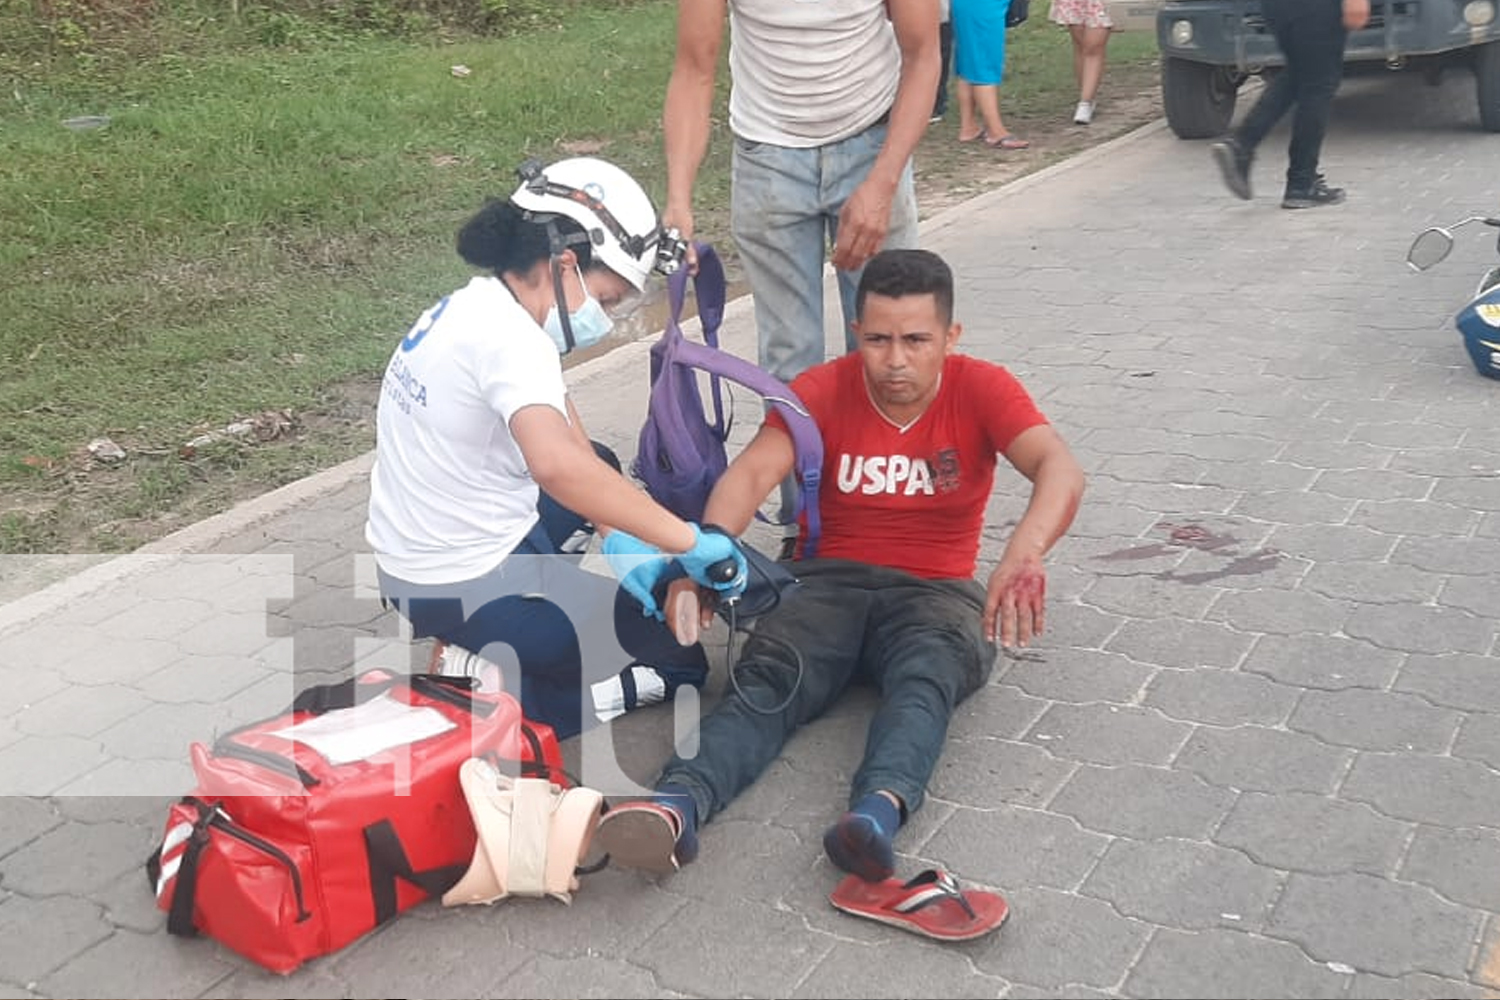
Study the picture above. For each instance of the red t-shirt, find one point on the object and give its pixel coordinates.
(912, 499)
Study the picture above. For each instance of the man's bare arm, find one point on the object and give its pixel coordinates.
(750, 478)
(580, 480)
(689, 105)
(1015, 600)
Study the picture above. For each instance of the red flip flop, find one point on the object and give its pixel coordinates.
(931, 904)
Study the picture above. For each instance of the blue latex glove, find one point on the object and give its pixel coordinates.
(714, 549)
(638, 566)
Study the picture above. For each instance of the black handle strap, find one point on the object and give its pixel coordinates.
(332, 697)
(388, 862)
(180, 914)
(538, 766)
(456, 691)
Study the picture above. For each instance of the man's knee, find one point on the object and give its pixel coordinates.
(949, 662)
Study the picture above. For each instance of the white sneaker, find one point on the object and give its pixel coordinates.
(611, 700)
(1084, 113)
(455, 661)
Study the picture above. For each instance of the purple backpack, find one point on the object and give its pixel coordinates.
(681, 454)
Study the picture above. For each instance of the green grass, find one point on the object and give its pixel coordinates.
(257, 226)
(254, 226)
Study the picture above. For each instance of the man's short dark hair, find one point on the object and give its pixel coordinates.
(899, 273)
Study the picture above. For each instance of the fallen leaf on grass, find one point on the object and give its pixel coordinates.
(37, 462)
(105, 450)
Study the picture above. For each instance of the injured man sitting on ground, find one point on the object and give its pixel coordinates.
(913, 431)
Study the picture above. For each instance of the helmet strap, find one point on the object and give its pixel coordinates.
(560, 296)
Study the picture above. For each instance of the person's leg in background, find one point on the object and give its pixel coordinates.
(1236, 154)
(845, 166)
(784, 214)
(986, 98)
(1319, 40)
(980, 66)
(968, 110)
(776, 218)
(945, 47)
(1089, 48)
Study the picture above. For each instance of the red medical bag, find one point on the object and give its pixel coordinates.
(311, 828)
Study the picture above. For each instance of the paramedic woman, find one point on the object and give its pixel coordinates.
(481, 460)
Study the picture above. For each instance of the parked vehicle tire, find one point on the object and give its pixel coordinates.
(1198, 98)
(1487, 78)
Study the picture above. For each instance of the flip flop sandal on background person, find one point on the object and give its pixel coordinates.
(930, 904)
(1007, 141)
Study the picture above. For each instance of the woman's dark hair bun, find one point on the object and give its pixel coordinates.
(484, 240)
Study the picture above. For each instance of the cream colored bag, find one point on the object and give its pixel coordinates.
(532, 836)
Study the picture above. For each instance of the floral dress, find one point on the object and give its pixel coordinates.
(1091, 13)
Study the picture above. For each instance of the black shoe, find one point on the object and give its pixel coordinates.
(1234, 164)
(1313, 196)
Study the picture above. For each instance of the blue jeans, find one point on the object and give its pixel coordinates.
(784, 213)
(919, 642)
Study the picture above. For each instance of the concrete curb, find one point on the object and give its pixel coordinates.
(210, 531)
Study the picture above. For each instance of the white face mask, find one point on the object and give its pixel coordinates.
(590, 323)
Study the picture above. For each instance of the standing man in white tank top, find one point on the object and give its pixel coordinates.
(828, 100)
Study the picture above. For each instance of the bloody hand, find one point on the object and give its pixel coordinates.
(1015, 601)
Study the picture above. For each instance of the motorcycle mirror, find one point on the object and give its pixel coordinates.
(1429, 249)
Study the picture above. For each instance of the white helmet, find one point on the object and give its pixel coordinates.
(616, 214)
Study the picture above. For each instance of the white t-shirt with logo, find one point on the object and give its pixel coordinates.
(450, 493)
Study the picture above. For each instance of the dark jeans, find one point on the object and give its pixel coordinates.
(1311, 34)
(919, 642)
(567, 628)
(945, 46)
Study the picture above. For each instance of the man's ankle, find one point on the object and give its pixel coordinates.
(860, 842)
(680, 800)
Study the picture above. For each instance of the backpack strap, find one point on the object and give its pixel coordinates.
(710, 289)
(807, 442)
